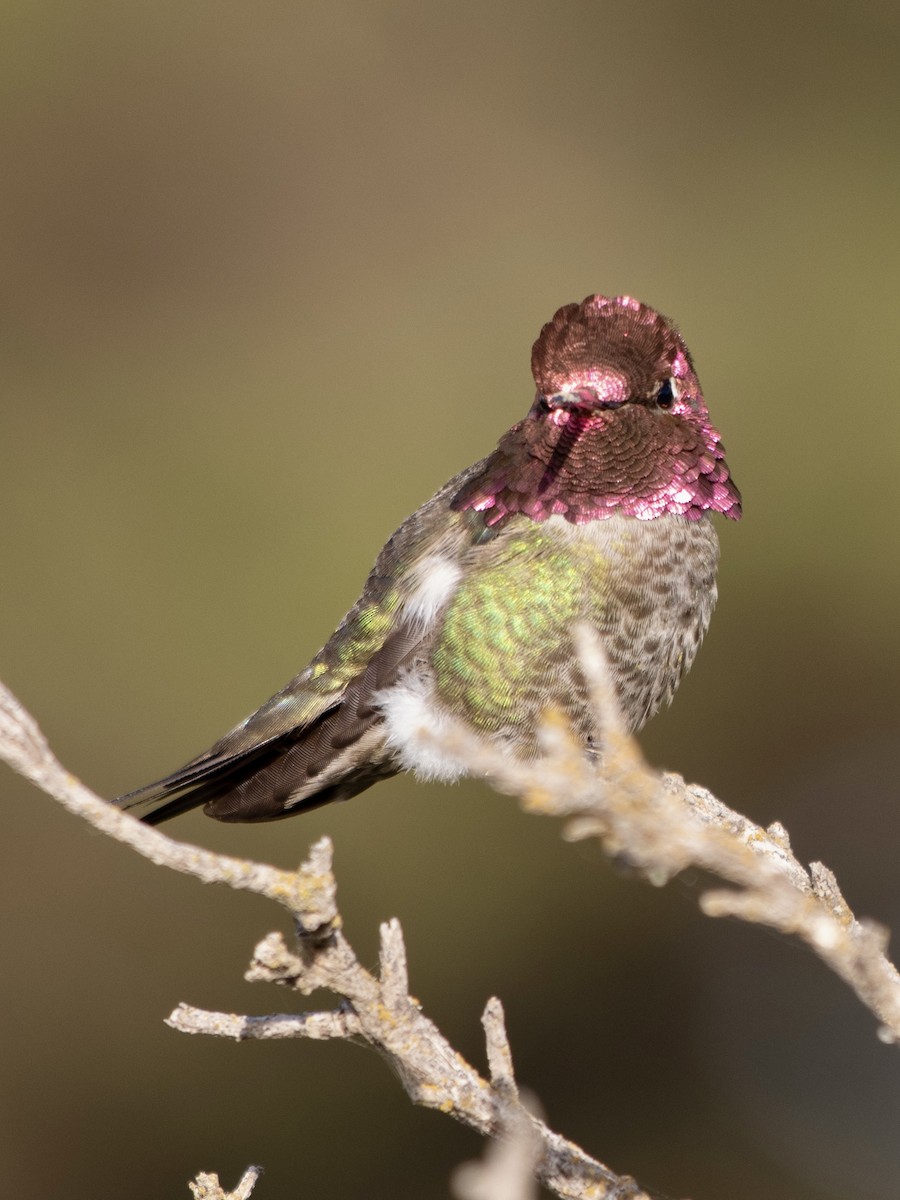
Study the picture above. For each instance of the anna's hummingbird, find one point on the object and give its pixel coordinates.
(596, 507)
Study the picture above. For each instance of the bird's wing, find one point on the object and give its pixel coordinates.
(304, 747)
(320, 737)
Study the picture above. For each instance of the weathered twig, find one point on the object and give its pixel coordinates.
(658, 823)
(25, 749)
(207, 1186)
(662, 825)
(379, 1010)
(507, 1170)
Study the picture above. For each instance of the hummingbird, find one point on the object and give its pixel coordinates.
(595, 508)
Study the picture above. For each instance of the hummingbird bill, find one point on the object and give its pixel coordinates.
(595, 508)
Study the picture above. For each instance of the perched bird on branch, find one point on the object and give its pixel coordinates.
(595, 508)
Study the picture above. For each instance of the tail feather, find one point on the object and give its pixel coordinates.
(200, 782)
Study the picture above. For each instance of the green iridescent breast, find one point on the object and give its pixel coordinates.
(506, 636)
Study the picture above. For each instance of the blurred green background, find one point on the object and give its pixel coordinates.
(271, 273)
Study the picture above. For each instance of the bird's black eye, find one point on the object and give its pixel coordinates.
(665, 397)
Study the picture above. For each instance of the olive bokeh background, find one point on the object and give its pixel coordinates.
(271, 273)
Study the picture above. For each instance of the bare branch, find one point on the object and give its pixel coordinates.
(507, 1170)
(392, 960)
(207, 1186)
(316, 1026)
(657, 823)
(499, 1055)
(661, 825)
(378, 1011)
(24, 748)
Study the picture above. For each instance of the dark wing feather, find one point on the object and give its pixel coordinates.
(204, 780)
(331, 756)
(320, 738)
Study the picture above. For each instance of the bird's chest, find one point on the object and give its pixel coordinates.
(503, 653)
